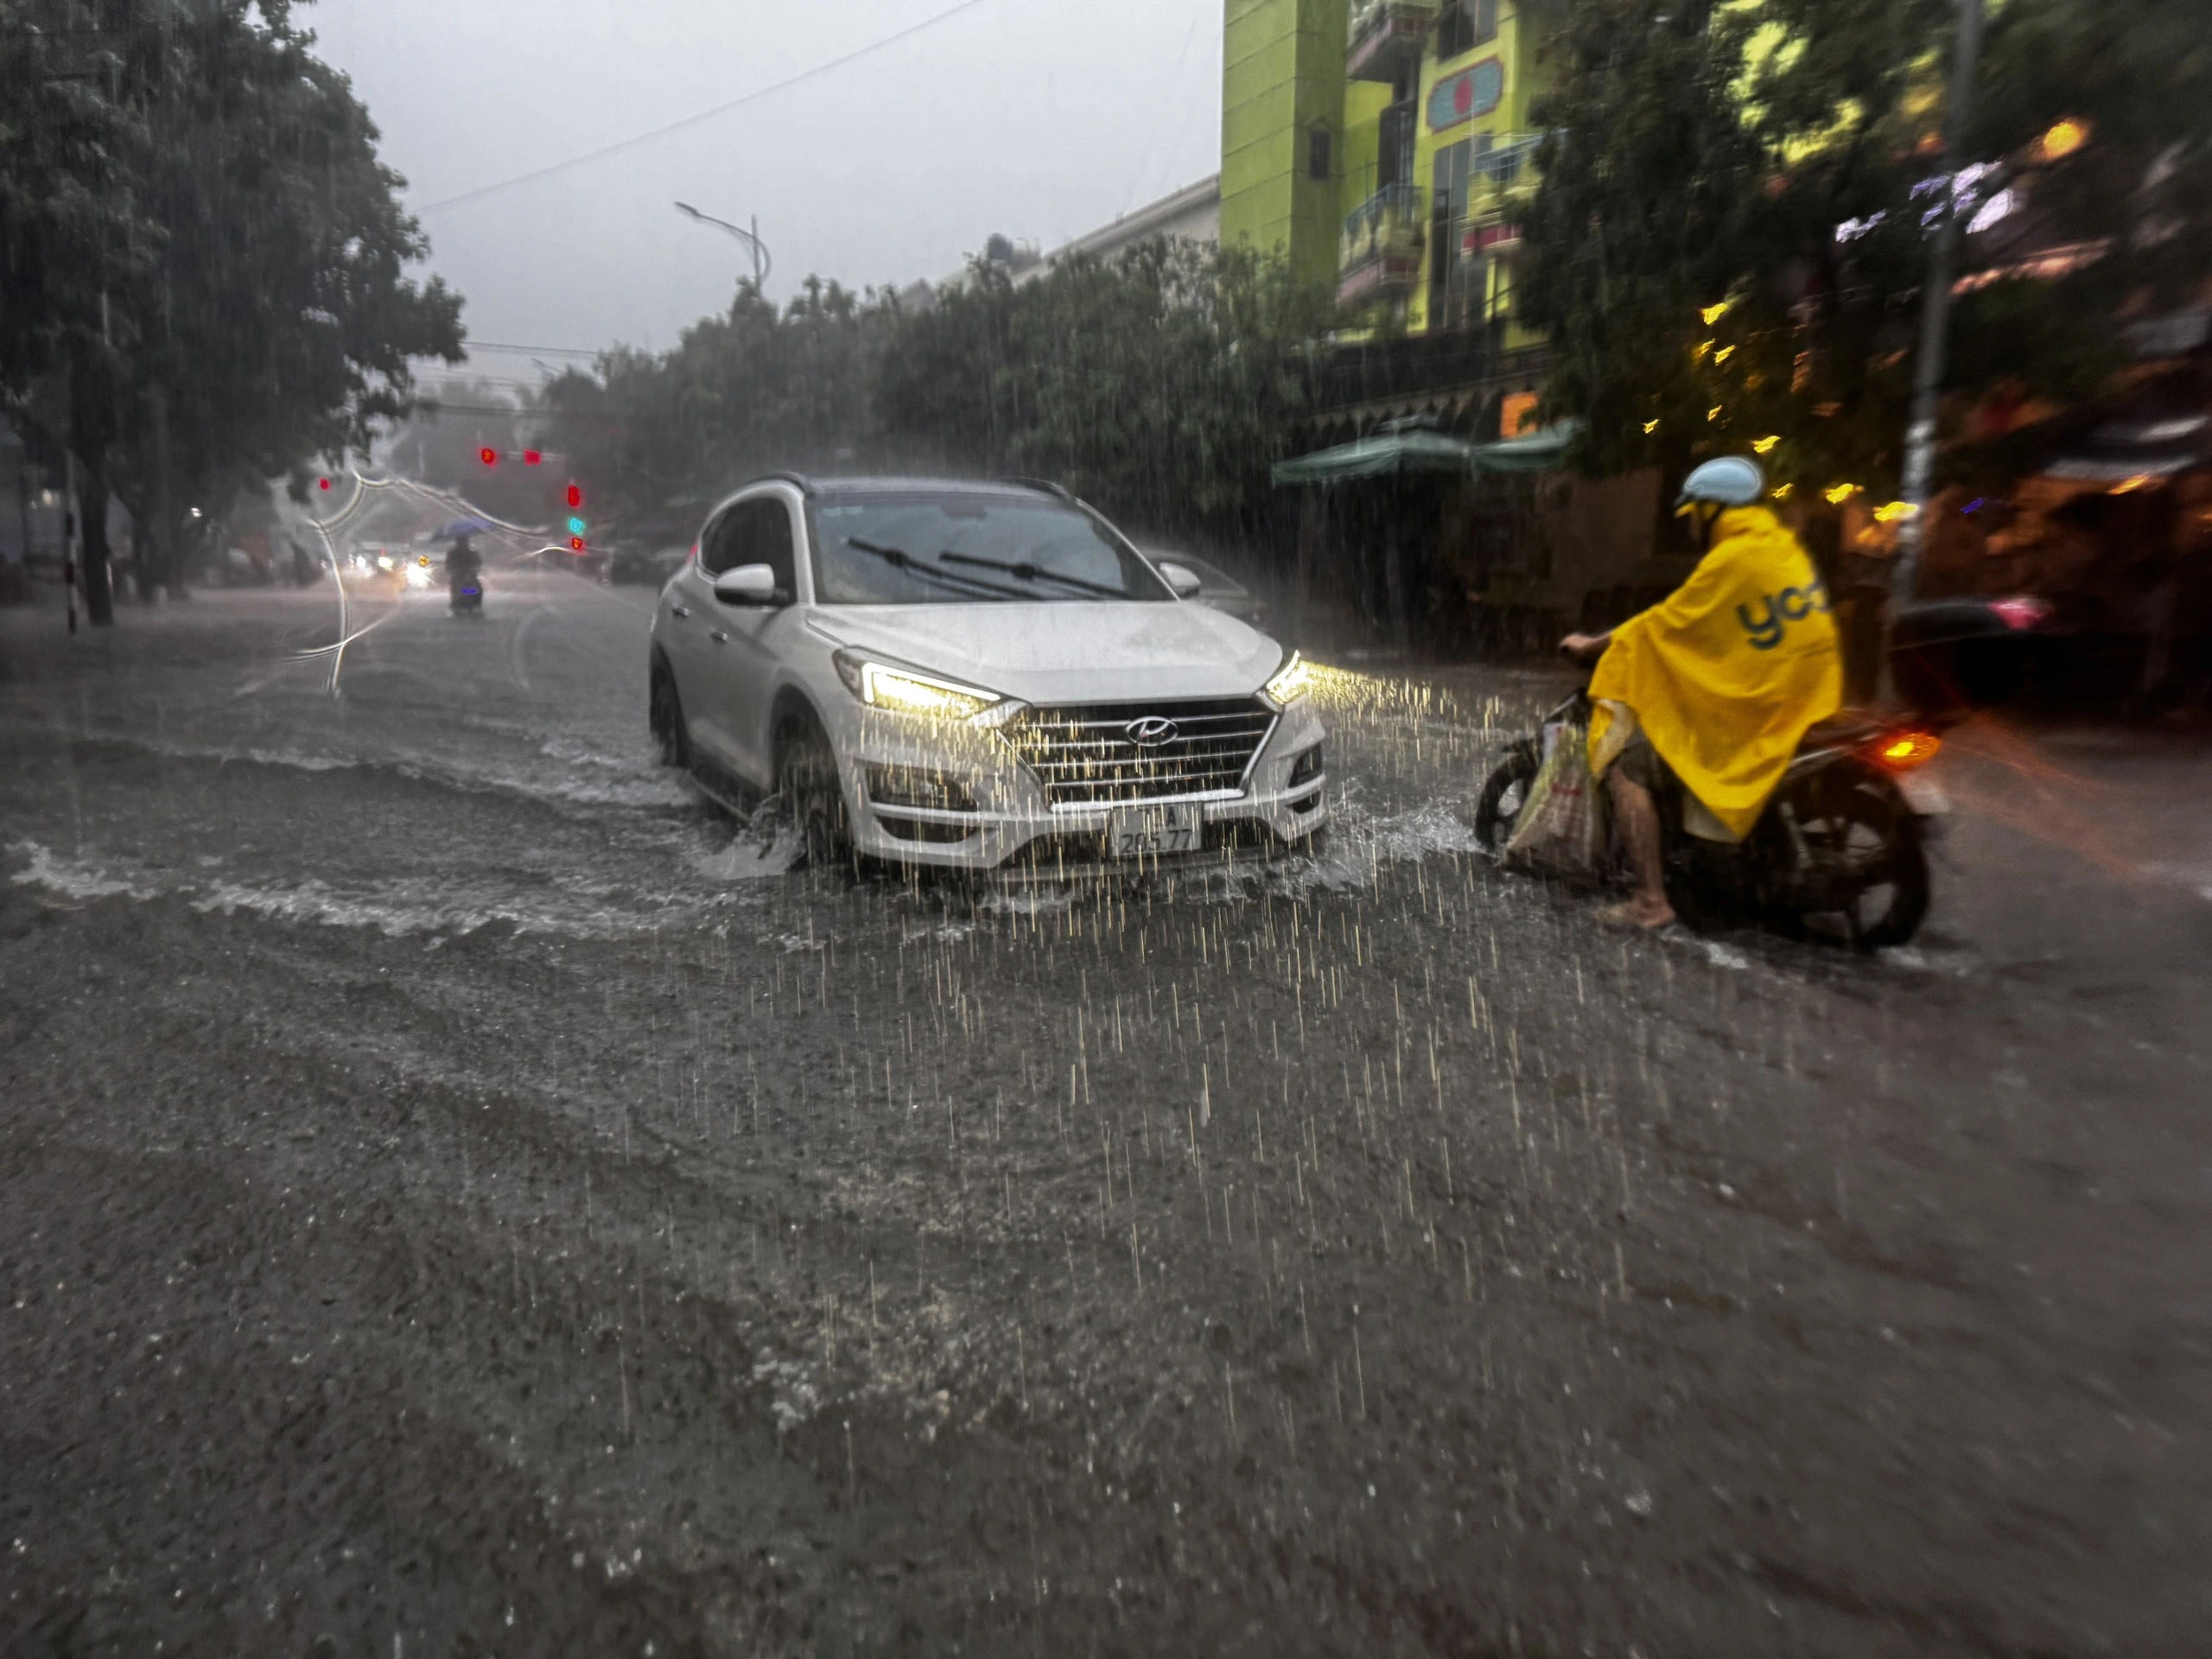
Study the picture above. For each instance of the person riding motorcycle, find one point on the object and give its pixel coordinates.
(463, 563)
(1714, 687)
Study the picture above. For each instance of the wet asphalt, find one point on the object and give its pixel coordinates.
(460, 1193)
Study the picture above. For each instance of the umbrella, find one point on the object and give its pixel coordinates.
(461, 527)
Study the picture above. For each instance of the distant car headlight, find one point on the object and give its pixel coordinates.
(905, 692)
(417, 576)
(1292, 681)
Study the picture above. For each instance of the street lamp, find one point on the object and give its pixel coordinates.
(761, 264)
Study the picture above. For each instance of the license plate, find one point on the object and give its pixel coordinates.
(1134, 831)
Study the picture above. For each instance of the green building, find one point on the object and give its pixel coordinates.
(1375, 144)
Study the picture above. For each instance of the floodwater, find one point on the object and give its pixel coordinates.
(460, 1192)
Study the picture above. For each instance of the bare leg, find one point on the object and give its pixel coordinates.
(1639, 820)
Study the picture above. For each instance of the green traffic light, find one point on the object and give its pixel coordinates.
(575, 526)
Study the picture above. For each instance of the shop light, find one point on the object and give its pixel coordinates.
(1838, 494)
(1765, 445)
(2063, 139)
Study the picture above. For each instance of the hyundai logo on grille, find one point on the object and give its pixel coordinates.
(1152, 731)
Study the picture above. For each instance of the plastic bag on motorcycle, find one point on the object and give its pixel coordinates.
(1562, 828)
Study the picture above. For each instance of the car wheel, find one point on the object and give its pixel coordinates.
(806, 778)
(665, 710)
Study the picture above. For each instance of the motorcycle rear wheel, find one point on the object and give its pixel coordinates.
(1858, 825)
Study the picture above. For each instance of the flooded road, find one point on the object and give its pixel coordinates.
(459, 1193)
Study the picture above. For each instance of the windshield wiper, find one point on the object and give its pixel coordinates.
(1028, 572)
(900, 559)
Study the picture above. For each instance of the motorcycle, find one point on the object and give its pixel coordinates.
(466, 595)
(1841, 850)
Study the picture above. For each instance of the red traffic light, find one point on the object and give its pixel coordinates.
(532, 457)
(575, 544)
(488, 455)
(325, 483)
(576, 496)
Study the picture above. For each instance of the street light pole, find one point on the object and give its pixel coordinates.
(761, 263)
(1935, 311)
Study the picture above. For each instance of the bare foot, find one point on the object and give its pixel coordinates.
(1640, 913)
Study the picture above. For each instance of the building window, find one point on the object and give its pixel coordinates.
(1463, 25)
(1455, 33)
(1319, 162)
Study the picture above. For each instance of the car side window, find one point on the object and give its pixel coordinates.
(719, 546)
(771, 545)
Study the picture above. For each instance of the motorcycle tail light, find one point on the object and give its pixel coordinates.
(1902, 751)
(2023, 614)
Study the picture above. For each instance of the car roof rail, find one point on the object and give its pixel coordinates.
(806, 484)
(1049, 485)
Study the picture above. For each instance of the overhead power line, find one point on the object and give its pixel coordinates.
(471, 347)
(483, 191)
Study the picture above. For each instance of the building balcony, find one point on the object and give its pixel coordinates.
(1488, 237)
(1382, 253)
(1386, 37)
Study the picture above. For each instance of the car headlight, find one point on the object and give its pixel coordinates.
(1292, 681)
(903, 691)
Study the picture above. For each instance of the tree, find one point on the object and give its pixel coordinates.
(276, 322)
(65, 209)
(1728, 239)
(1161, 384)
(222, 266)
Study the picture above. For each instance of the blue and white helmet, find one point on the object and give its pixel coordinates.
(1733, 481)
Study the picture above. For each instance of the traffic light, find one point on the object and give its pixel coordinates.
(576, 497)
(488, 455)
(325, 483)
(575, 544)
(575, 525)
(532, 458)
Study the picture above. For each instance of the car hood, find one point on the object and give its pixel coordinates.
(1067, 653)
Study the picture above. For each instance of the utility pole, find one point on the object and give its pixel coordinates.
(1935, 311)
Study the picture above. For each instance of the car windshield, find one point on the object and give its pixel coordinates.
(938, 549)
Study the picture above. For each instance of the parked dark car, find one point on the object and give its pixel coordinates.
(636, 563)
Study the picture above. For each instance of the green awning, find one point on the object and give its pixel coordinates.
(1536, 452)
(1391, 455)
(1395, 453)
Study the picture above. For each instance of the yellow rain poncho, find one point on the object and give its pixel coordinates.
(1727, 673)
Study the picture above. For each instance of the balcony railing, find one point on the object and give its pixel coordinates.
(1382, 245)
(1385, 35)
(1488, 235)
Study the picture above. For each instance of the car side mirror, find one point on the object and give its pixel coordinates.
(1181, 580)
(747, 584)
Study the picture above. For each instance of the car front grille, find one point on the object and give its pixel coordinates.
(1097, 754)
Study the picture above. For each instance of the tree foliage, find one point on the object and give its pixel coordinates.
(1158, 383)
(1731, 234)
(220, 260)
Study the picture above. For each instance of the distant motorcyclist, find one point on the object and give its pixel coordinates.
(463, 563)
(1715, 686)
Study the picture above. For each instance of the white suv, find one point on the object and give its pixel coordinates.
(954, 674)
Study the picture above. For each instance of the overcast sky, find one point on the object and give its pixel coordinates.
(1041, 119)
